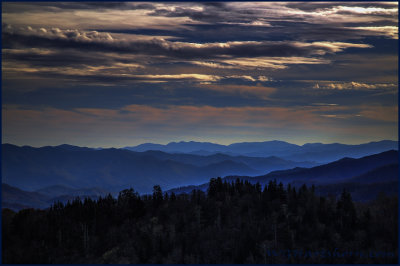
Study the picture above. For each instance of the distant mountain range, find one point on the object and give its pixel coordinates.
(338, 171)
(364, 177)
(38, 176)
(261, 164)
(17, 199)
(31, 168)
(316, 152)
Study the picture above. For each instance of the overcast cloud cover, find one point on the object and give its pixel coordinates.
(118, 74)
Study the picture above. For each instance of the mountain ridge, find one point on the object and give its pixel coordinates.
(318, 152)
(370, 175)
(33, 168)
(16, 199)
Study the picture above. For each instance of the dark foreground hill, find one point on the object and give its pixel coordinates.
(231, 223)
(114, 169)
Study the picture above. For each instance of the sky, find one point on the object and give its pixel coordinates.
(112, 74)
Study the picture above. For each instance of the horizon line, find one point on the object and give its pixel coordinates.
(184, 141)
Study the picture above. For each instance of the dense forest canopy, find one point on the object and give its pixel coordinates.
(233, 222)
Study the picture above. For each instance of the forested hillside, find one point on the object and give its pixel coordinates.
(235, 222)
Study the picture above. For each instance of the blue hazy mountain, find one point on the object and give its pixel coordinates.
(17, 199)
(31, 168)
(263, 148)
(45, 169)
(317, 152)
(335, 151)
(181, 147)
(338, 171)
(112, 169)
(386, 173)
(368, 185)
(59, 190)
(68, 147)
(364, 177)
(263, 165)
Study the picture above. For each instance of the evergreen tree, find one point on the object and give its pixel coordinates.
(235, 222)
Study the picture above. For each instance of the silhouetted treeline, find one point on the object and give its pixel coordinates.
(232, 223)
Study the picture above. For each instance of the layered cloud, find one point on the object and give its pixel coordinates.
(354, 86)
(185, 69)
(37, 46)
(93, 40)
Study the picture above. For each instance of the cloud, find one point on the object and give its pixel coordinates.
(325, 104)
(255, 20)
(247, 12)
(249, 78)
(260, 62)
(107, 70)
(72, 35)
(95, 41)
(145, 59)
(270, 62)
(314, 6)
(199, 77)
(102, 58)
(264, 78)
(212, 64)
(354, 86)
(37, 57)
(342, 9)
(203, 12)
(244, 90)
(60, 6)
(332, 116)
(355, 12)
(388, 31)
